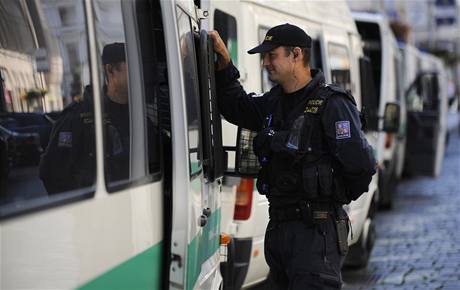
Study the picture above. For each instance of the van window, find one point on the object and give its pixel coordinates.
(44, 70)
(130, 154)
(267, 84)
(190, 74)
(397, 75)
(340, 65)
(225, 24)
(370, 33)
(316, 60)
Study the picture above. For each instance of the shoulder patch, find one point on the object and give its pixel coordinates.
(342, 130)
(65, 139)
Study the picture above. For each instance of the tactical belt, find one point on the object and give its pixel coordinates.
(310, 213)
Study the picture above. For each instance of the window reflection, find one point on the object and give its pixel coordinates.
(43, 67)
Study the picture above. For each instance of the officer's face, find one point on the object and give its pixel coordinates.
(278, 64)
(118, 81)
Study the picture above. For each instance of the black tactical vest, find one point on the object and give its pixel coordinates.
(304, 169)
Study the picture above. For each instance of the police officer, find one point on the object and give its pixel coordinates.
(313, 154)
(69, 160)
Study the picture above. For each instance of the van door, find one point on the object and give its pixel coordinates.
(196, 178)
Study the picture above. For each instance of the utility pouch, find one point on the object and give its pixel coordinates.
(286, 181)
(306, 213)
(341, 225)
(325, 176)
(342, 236)
(310, 181)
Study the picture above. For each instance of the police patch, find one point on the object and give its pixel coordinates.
(342, 130)
(65, 139)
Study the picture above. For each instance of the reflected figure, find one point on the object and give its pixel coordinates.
(69, 161)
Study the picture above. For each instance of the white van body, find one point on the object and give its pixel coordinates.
(156, 233)
(250, 20)
(385, 56)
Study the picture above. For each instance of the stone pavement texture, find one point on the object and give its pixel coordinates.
(418, 242)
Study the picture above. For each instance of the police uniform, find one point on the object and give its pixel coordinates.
(69, 161)
(314, 159)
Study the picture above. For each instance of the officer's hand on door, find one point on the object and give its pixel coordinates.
(220, 48)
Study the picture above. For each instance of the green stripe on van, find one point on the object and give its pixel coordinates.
(143, 271)
(202, 247)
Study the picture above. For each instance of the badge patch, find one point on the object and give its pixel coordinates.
(65, 139)
(311, 109)
(342, 130)
(315, 102)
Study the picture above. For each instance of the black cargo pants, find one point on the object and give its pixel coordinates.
(303, 257)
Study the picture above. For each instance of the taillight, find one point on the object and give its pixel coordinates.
(243, 202)
(388, 140)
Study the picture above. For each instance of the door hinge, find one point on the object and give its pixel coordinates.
(202, 14)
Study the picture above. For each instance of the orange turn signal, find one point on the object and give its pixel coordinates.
(225, 239)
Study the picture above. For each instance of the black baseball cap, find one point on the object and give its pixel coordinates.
(283, 35)
(113, 53)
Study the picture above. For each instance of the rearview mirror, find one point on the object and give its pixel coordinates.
(391, 119)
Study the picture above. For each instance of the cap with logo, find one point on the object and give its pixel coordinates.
(113, 53)
(283, 35)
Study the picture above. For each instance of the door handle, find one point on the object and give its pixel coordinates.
(203, 220)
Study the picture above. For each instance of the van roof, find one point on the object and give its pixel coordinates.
(338, 13)
(373, 17)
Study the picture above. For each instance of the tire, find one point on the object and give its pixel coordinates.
(387, 187)
(360, 252)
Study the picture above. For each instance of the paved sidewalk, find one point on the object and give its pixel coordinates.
(418, 242)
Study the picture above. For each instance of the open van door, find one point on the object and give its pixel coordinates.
(424, 124)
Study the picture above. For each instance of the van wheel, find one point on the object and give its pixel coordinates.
(360, 252)
(387, 191)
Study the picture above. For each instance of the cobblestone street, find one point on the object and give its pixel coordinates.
(418, 242)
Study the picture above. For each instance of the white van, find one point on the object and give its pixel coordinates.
(381, 47)
(159, 228)
(336, 50)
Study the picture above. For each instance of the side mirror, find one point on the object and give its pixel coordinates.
(391, 120)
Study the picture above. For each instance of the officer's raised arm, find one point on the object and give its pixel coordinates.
(220, 48)
(353, 155)
(238, 107)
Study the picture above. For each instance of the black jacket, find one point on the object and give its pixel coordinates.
(350, 150)
(69, 160)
